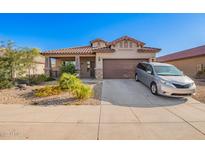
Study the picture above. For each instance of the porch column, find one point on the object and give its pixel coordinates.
(48, 67)
(77, 64)
(98, 67)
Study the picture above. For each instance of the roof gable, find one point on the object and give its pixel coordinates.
(98, 40)
(128, 39)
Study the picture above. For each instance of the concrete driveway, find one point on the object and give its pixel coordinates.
(128, 111)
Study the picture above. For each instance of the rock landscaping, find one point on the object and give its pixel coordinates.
(26, 96)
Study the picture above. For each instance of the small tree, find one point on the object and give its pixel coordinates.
(5, 74)
(15, 62)
(29, 56)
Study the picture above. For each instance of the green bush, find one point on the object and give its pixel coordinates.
(5, 83)
(34, 79)
(37, 79)
(69, 82)
(47, 91)
(5, 73)
(75, 86)
(82, 92)
(68, 68)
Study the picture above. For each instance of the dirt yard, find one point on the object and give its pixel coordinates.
(17, 96)
(200, 91)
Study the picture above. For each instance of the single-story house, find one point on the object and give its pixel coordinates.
(190, 61)
(102, 59)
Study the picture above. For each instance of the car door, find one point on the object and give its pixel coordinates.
(141, 73)
(149, 74)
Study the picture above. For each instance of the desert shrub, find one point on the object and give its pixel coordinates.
(69, 82)
(82, 92)
(5, 83)
(5, 74)
(47, 91)
(68, 68)
(49, 79)
(37, 79)
(75, 86)
(34, 79)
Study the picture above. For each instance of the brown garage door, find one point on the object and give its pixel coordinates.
(120, 68)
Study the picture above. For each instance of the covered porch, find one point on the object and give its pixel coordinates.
(84, 65)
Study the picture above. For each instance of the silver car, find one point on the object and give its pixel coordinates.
(164, 79)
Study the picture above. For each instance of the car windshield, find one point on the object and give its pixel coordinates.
(167, 71)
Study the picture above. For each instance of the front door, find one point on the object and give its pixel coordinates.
(87, 67)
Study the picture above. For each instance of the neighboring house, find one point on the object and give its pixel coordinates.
(189, 61)
(102, 59)
(38, 67)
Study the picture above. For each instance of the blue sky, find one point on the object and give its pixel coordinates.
(170, 32)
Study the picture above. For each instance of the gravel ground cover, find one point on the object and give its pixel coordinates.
(17, 96)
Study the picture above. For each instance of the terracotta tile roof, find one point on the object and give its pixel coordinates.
(104, 49)
(92, 50)
(197, 51)
(149, 49)
(78, 50)
(75, 50)
(126, 38)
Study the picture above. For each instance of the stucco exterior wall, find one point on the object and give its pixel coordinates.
(123, 50)
(39, 69)
(189, 65)
(39, 65)
(122, 53)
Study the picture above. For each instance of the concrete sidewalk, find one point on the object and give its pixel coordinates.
(102, 122)
(128, 111)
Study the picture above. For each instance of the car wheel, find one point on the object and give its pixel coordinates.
(136, 77)
(153, 88)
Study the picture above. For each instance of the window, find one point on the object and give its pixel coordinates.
(88, 66)
(149, 68)
(167, 71)
(141, 66)
(199, 67)
(126, 44)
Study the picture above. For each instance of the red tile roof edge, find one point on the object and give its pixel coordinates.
(193, 52)
(149, 49)
(125, 38)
